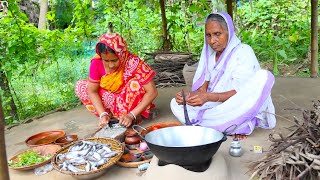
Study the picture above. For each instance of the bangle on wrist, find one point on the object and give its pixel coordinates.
(133, 116)
(103, 114)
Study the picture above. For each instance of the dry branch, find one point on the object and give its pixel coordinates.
(296, 156)
(168, 67)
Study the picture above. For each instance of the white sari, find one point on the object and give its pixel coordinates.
(236, 69)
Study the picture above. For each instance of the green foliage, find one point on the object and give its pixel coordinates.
(278, 30)
(83, 17)
(29, 158)
(42, 66)
(136, 19)
(133, 20)
(37, 64)
(182, 23)
(63, 13)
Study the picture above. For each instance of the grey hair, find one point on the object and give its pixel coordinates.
(220, 19)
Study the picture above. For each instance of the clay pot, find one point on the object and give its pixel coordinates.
(66, 139)
(132, 137)
(44, 138)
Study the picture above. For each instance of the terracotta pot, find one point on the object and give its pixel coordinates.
(130, 132)
(132, 137)
(66, 139)
(44, 138)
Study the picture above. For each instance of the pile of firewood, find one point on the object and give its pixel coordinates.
(168, 67)
(296, 156)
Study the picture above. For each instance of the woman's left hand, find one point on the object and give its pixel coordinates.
(126, 120)
(197, 98)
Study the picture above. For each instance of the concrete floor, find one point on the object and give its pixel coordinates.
(289, 95)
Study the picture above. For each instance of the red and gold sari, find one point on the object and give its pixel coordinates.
(121, 90)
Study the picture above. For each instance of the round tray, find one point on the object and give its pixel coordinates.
(159, 126)
(115, 146)
(43, 138)
(43, 150)
(132, 164)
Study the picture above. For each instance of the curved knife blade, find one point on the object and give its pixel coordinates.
(186, 116)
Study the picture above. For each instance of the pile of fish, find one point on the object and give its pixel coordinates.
(91, 155)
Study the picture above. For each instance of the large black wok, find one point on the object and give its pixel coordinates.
(184, 145)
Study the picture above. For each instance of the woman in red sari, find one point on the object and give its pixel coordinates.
(120, 84)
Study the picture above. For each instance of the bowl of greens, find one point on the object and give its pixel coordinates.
(33, 157)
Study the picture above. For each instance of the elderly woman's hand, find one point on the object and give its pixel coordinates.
(126, 120)
(179, 98)
(197, 98)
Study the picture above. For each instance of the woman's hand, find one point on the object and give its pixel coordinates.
(179, 97)
(104, 121)
(197, 98)
(126, 120)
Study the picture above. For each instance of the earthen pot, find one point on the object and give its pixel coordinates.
(66, 139)
(44, 138)
(132, 137)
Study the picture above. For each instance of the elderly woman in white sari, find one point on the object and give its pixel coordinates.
(228, 87)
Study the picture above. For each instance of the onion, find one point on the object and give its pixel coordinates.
(143, 146)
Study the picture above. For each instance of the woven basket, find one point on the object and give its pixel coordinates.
(115, 146)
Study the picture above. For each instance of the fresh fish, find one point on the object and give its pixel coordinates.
(101, 162)
(77, 146)
(64, 166)
(74, 169)
(93, 166)
(72, 155)
(106, 148)
(94, 157)
(111, 154)
(60, 157)
(90, 154)
(100, 151)
(85, 151)
(77, 161)
(88, 166)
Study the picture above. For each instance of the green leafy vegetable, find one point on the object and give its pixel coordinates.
(28, 158)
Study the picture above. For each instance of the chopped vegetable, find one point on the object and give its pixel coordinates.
(28, 158)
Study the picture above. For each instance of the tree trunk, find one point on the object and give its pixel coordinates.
(229, 8)
(4, 173)
(43, 13)
(4, 86)
(166, 44)
(31, 9)
(314, 39)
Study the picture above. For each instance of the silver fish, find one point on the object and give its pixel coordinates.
(101, 162)
(111, 154)
(88, 166)
(77, 161)
(74, 169)
(72, 155)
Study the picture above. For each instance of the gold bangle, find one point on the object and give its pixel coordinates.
(218, 98)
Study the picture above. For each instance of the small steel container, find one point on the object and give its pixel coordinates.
(235, 149)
